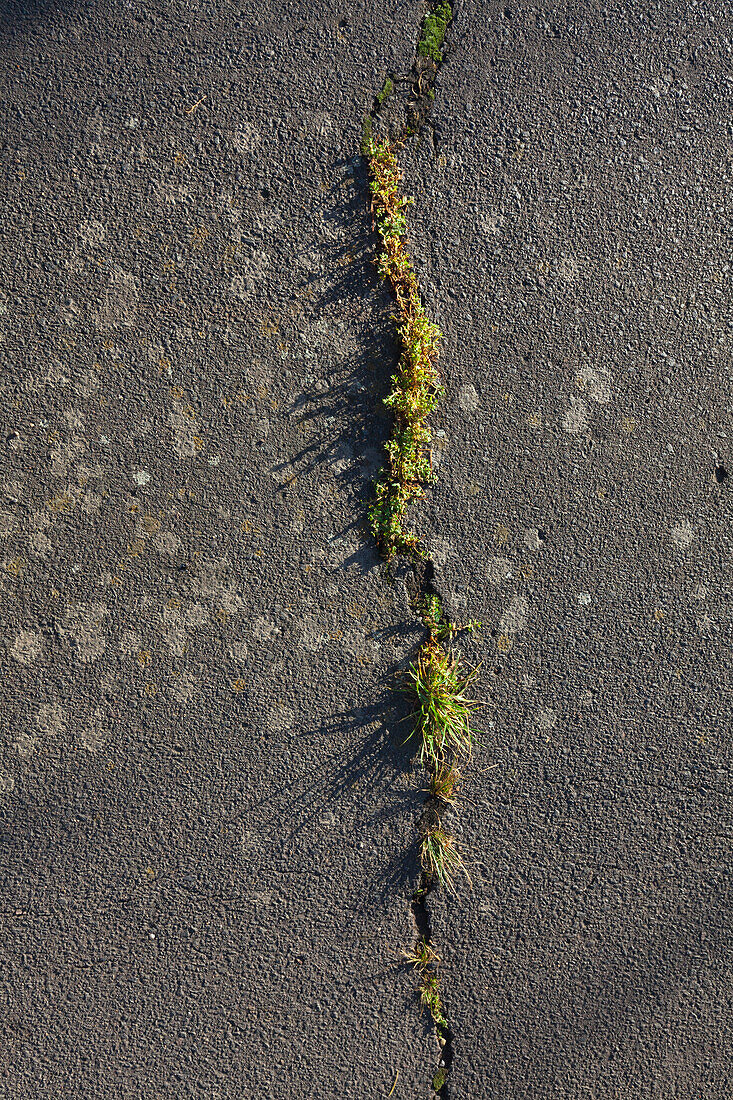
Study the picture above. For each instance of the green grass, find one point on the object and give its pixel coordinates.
(444, 783)
(430, 999)
(440, 859)
(440, 684)
(433, 31)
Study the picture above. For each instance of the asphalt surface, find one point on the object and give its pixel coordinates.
(572, 228)
(207, 821)
(207, 818)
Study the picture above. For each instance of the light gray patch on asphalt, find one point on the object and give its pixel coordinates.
(120, 301)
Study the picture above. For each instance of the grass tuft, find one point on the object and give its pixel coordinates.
(440, 859)
(443, 714)
(430, 999)
(422, 956)
(444, 783)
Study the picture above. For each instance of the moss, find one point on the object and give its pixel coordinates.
(386, 91)
(367, 139)
(440, 1079)
(433, 31)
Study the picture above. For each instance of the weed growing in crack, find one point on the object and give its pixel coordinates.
(440, 1078)
(416, 388)
(435, 622)
(438, 681)
(440, 858)
(366, 135)
(422, 956)
(387, 89)
(430, 999)
(444, 783)
(426, 959)
(439, 684)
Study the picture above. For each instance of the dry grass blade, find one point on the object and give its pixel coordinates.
(440, 859)
(422, 956)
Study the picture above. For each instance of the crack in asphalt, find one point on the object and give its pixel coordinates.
(401, 110)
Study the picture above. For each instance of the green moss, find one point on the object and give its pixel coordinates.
(367, 139)
(386, 91)
(433, 31)
(440, 1079)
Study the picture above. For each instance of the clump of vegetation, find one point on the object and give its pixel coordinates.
(438, 681)
(440, 684)
(367, 135)
(437, 625)
(433, 31)
(440, 1078)
(426, 959)
(444, 783)
(440, 858)
(415, 389)
(387, 89)
(422, 956)
(430, 999)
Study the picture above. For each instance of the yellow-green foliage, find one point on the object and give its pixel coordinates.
(416, 388)
(440, 858)
(387, 89)
(423, 955)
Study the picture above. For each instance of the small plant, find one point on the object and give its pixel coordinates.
(439, 857)
(433, 31)
(441, 1076)
(422, 956)
(438, 626)
(443, 715)
(367, 139)
(444, 783)
(430, 999)
(435, 622)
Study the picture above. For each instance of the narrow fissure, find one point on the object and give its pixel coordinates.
(437, 679)
(444, 1033)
